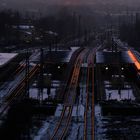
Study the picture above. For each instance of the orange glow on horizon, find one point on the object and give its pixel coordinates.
(131, 55)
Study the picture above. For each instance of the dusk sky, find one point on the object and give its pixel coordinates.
(67, 1)
(33, 5)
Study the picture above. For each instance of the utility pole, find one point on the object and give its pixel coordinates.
(41, 79)
(74, 27)
(79, 29)
(27, 75)
(56, 43)
(78, 94)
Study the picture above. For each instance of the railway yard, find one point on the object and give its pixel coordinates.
(87, 93)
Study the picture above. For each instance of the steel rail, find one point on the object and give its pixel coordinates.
(18, 89)
(66, 114)
(87, 111)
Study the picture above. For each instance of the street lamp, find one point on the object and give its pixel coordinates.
(58, 67)
(106, 68)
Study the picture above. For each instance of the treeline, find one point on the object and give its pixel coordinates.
(7, 19)
(130, 32)
(62, 26)
(10, 33)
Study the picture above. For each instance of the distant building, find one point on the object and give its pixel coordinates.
(26, 32)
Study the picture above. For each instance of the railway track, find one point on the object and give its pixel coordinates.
(20, 69)
(18, 91)
(22, 84)
(89, 109)
(66, 115)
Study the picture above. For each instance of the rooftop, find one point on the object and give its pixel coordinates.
(113, 58)
(6, 58)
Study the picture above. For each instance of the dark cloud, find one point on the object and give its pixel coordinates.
(39, 4)
(70, 1)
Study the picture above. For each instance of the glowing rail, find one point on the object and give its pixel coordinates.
(17, 91)
(134, 59)
(66, 114)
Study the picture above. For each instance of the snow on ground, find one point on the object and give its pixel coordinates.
(55, 83)
(35, 56)
(49, 132)
(77, 128)
(73, 49)
(112, 94)
(42, 131)
(6, 57)
(47, 127)
(97, 110)
(8, 87)
(34, 91)
(124, 94)
(58, 110)
(99, 130)
(76, 132)
(78, 110)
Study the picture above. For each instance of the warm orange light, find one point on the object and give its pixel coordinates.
(131, 55)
